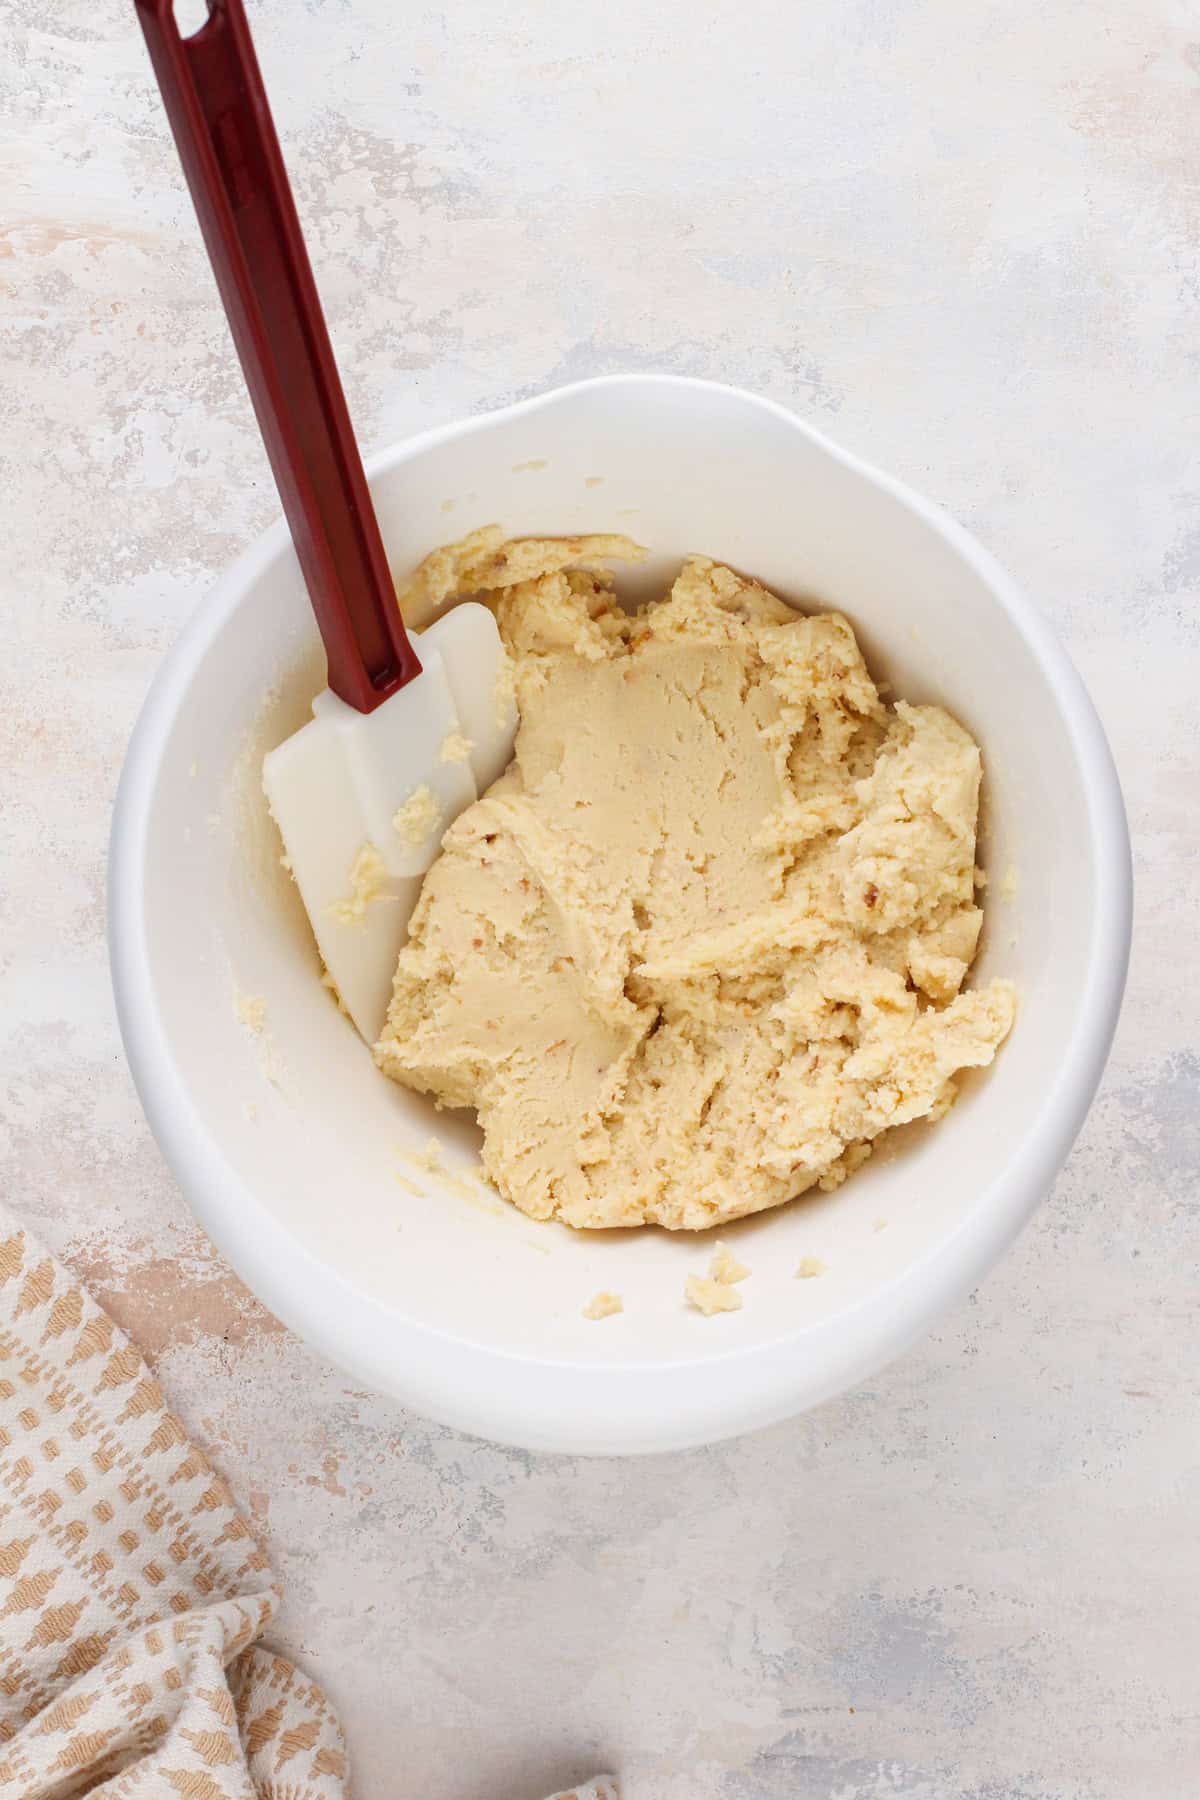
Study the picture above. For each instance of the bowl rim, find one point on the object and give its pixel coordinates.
(558, 1403)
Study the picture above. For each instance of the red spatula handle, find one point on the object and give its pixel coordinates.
(217, 106)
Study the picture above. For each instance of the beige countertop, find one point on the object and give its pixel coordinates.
(961, 239)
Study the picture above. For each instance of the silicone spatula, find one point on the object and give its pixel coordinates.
(388, 730)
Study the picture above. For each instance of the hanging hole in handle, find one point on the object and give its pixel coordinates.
(191, 16)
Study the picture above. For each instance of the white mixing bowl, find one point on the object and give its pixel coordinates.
(305, 1165)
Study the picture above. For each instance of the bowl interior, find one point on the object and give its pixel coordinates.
(335, 1155)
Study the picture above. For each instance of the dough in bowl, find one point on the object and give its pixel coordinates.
(705, 940)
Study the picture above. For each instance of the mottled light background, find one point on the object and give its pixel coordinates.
(961, 236)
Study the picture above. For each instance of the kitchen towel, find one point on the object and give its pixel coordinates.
(133, 1595)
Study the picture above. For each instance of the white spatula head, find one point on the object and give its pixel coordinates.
(363, 800)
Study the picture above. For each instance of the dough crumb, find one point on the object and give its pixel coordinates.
(603, 1305)
(810, 1268)
(416, 819)
(251, 1010)
(368, 875)
(456, 748)
(251, 1110)
(879, 1225)
(725, 1266)
(709, 1296)
(431, 1157)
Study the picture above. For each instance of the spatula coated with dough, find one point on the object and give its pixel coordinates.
(363, 794)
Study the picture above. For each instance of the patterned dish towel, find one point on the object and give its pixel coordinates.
(132, 1592)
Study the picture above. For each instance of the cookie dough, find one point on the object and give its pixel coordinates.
(710, 1296)
(604, 1305)
(716, 1291)
(417, 817)
(706, 938)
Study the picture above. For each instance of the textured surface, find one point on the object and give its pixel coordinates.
(709, 784)
(962, 239)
